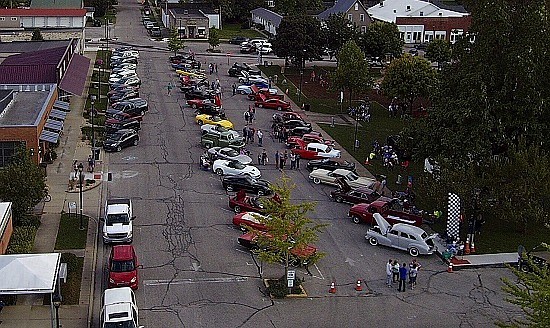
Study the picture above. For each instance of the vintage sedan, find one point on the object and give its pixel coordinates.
(330, 164)
(345, 194)
(200, 103)
(243, 203)
(330, 177)
(402, 236)
(247, 183)
(225, 167)
(121, 139)
(217, 130)
(282, 117)
(214, 120)
(272, 103)
(314, 150)
(249, 219)
(229, 154)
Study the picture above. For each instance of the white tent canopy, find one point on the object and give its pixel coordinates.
(29, 273)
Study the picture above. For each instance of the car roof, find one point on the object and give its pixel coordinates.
(316, 144)
(123, 252)
(117, 295)
(341, 171)
(407, 228)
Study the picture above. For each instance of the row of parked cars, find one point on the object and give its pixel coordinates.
(261, 46)
(126, 109)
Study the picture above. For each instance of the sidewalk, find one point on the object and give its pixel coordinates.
(29, 311)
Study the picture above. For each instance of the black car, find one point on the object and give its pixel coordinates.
(121, 139)
(345, 194)
(330, 164)
(299, 131)
(291, 124)
(210, 109)
(115, 126)
(248, 49)
(139, 103)
(120, 115)
(122, 89)
(198, 94)
(247, 183)
(238, 40)
(129, 60)
(116, 97)
(132, 108)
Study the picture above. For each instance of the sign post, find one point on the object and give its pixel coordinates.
(291, 274)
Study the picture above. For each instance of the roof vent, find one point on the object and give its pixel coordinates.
(408, 8)
(440, 14)
(395, 11)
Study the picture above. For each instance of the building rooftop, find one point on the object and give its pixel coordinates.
(56, 4)
(389, 10)
(32, 67)
(191, 13)
(25, 109)
(269, 15)
(339, 7)
(56, 12)
(17, 47)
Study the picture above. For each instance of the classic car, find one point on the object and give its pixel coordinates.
(237, 68)
(247, 77)
(132, 81)
(291, 124)
(214, 120)
(226, 167)
(247, 183)
(249, 219)
(191, 73)
(120, 96)
(199, 94)
(200, 103)
(314, 150)
(243, 203)
(229, 154)
(389, 209)
(299, 131)
(291, 142)
(272, 103)
(267, 93)
(259, 84)
(282, 117)
(216, 129)
(401, 236)
(121, 139)
(330, 177)
(330, 164)
(345, 194)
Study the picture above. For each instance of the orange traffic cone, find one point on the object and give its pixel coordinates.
(332, 289)
(467, 247)
(473, 248)
(358, 286)
(450, 267)
(367, 161)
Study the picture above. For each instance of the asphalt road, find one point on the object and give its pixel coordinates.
(194, 272)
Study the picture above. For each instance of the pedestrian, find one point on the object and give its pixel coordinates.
(395, 271)
(251, 134)
(414, 262)
(265, 160)
(413, 272)
(285, 158)
(247, 117)
(277, 158)
(389, 272)
(216, 66)
(403, 271)
(169, 87)
(259, 158)
(297, 162)
(91, 163)
(292, 161)
(251, 116)
(260, 137)
(281, 161)
(234, 86)
(245, 133)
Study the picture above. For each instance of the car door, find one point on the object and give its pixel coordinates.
(392, 238)
(311, 152)
(125, 141)
(355, 197)
(231, 169)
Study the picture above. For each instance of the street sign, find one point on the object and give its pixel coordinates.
(72, 206)
(290, 283)
(291, 274)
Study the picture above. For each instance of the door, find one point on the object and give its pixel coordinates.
(191, 31)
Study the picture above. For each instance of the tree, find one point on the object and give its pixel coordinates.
(439, 51)
(23, 183)
(337, 31)
(37, 36)
(290, 7)
(532, 293)
(382, 39)
(288, 227)
(213, 38)
(353, 71)
(175, 43)
(237, 10)
(298, 38)
(409, 78)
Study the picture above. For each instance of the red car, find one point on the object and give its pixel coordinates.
(248, 240)
(200, 103)
(291, 142)
(388, 209)
(277, 104)
(249, 219)
(243, 203)
(123, 265)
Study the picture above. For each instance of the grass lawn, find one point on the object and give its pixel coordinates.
(69, 236)
(71, 289)
(230, 30)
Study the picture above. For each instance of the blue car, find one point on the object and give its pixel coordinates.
(260, 85)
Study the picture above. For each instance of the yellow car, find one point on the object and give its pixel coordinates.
(190, 74)
(214, 120)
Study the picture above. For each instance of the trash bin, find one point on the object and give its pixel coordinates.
(307, 107)
(96, 152)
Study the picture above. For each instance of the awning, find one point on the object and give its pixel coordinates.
(74, 79)
(57, 114)
(49, 136)
(62, 105)
(54, 125)
(29, 273)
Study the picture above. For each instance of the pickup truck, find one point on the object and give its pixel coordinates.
(117, 223)
(388, 209)
(222, 139)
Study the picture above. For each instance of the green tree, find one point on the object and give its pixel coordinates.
(213, 37)
(238, 11)
(23, 183)
(409, 78)
(175, 43)
(290, 230)
(353, 73)
(337, 31)
(438, 51)
(382, 39)
(531, 292)
(37, 36)
(291, 7)
(298, 38)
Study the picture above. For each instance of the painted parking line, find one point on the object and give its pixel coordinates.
(161, 282)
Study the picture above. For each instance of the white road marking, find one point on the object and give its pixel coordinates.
(160, 282)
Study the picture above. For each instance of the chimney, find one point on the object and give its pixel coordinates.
(408, 8)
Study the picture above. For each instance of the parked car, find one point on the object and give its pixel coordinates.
(314, 150)
(129, 60)
(402, 236)
(291, 124)
(345, 194)
(247, 183)
(124, 67)
(272, 103)
(237, 68)
(248, 49)
(123, 267)
(259, 84)
(121, 139)
(199, 94)
(122, 89)
(265, 48)
(247, 77)
(130, 107)
(249, 219)
(112, 126)
(200, 103)
(222, 139)
(228, 167)
(243, 203)
(123, 96)
(212, 110)
(120, 115)
(119, 309)
(268, 93)
(155, 31)
(308, 138)
(299, 131)
(330, 177)
(330, 164)
(238, 40)
(229, 154)
(286, 116)
(299, 256)
(217, 130)
(132, 81)
(393, 214)
(214, 120)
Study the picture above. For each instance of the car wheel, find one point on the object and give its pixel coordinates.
(219, 172)
(237, 209)
(260, 192)
(136, 142)
(413, 251)
(260, 105)
(316, 181)
(339, 199)
(279, 108)
(229, 188)
(194, 106)
(200, 122)
(373, 241)
(355, 219)
(525, 268)
(118, 148)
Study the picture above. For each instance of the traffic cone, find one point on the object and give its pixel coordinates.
(367, 161)
(358, 286)
(467, 246)
(332, 289)
(472, 248)
(450, 267)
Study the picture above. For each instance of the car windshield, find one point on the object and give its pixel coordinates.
(117, 218)
(328, 149)
(120, 324)
(123, 266)
(215, 118)
(352, 176)
(116, 137)
(238, 165)
(231, 152)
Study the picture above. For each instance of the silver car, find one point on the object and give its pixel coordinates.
(401, 236)
(228, 154)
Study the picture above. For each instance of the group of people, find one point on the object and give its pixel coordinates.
(361, 112)
(280, 133)
(396, 273)
(282, 157)
(387, 153)
(213, 68)
(250, 133)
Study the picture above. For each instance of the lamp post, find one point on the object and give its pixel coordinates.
(80, 169)
(302, 66)
(355, 141)
(57, 304)
(92, 118)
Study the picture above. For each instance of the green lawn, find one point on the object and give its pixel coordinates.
(230, 30)
(69, 236)
(71, 289)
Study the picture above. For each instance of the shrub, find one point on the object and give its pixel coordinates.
(22, 240)
(278, 288)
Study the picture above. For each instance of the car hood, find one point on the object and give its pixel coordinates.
(243, 159)
(252, 171)
(116, 228)
(122, 277)
(382, 223)
(361, 181)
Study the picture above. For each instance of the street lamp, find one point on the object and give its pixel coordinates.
(80, 169)
(57, 304)
(92, 117)
(302, 66)
(355, 141)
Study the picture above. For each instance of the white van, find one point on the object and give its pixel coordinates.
(119, 309)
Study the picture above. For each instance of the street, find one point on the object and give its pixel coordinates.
(196, 275)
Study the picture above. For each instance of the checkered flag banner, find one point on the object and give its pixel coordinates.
(453, 220)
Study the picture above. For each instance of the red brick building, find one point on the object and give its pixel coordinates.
(447, 28)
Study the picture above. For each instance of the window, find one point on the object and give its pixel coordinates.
(421, 13)
(2, 19)
(362, 17)
(7, 150)
(356, 7)
(350, 17)
(14, 19)
(363, 29)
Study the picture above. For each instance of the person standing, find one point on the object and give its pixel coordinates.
(281, 161)
(403, 271)
(292, 161)
(285, 158)
(260, 137)
(264, 157)
(297, 162)
(277, 158)
(234, 86)
(389, 273)
(247, 117)
(395, 271)
(413, 272)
